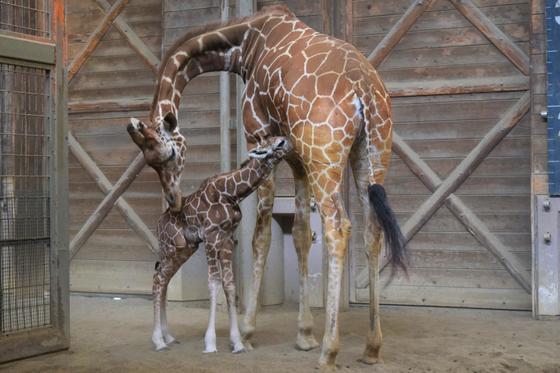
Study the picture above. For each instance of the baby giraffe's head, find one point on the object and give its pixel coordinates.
(272, 149)
(164, 150)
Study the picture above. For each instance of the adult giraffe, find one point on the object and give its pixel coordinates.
(324, 95)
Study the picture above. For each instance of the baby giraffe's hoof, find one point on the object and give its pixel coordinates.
(248, 345)
(161, 347)
(170, 339)
(210, 351)
(238, 350)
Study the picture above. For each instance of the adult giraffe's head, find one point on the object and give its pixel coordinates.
(164, 150)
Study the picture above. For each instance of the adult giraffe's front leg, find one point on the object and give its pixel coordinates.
(301, 233)
(336, 231)
(261, 247)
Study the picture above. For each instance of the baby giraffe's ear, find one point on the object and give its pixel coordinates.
(170, 122)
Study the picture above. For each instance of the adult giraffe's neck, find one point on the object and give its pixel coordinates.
(221, 49)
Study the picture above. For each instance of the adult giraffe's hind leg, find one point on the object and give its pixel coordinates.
(261, 247)
(372, 241)
(336, 228)
(301, 233)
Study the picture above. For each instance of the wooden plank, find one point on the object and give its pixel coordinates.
(103, 183)
(466, 167)
(457, 37)
(135, 42)
(397, 32)
(494, 34)
(108, 202)
(509, 299)
(108, 106)
(455, 86)
(95, 38)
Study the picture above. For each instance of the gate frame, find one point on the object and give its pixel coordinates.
(50, 54)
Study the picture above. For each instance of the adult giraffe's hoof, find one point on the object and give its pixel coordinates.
(370, 360)
(306, 342)
(161, 347)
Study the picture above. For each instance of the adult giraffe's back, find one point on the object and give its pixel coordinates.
(322, 94)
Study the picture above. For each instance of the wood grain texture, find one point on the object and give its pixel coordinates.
(494, 34)
(413, 12)
(95, 38)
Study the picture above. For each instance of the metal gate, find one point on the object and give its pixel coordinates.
(33, 180)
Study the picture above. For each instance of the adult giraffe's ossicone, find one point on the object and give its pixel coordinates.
(323, 95)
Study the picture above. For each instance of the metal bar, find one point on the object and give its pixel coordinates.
(127, 211)
(135, 42)
(496, 36)
(105, 206)
(95, 38)
(396, 33)
(27, 50)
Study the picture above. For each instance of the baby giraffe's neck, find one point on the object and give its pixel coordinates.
(248, 177)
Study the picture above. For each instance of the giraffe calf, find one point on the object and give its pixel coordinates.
(210, 216)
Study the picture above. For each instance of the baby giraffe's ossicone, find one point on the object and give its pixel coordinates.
(210, 216)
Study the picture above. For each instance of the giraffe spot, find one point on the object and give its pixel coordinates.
(326, 83)
(321, 108)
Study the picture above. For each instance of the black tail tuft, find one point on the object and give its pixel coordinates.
(394, 239)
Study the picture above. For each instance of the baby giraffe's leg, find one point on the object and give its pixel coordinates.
(225, 254)
(214, 277)
(165, 270)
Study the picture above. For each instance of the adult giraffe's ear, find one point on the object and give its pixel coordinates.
(170, 122)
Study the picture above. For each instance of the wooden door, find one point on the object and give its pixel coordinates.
(458, 73)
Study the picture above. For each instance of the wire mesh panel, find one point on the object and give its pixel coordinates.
(24, 198)
(29, 17)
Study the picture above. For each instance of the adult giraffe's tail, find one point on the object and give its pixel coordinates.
(394, 239)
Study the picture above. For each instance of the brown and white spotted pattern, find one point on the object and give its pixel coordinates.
(329, 101)
(210, 216)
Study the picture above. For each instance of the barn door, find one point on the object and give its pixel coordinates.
(457, 71)
(33, 237)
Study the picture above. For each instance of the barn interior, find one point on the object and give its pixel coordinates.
(468, 180)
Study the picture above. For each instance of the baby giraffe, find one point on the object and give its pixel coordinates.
(210, 216)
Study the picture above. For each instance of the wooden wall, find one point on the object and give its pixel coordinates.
(448, 266)
(114, 259)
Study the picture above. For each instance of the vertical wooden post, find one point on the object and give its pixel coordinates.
(225, 142)
(60, 282)
(244, 253)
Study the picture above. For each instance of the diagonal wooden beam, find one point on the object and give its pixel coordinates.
(496, 36)
(95, 38)
(467, 166)
(108, 202)
(400, 28)
(127, 211)
(135, 42)
(464, 214)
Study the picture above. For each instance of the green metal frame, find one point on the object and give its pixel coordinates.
(49, 55)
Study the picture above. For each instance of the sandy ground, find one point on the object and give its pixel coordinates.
(109, 335)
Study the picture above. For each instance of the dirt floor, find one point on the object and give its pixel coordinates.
(111, 335)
